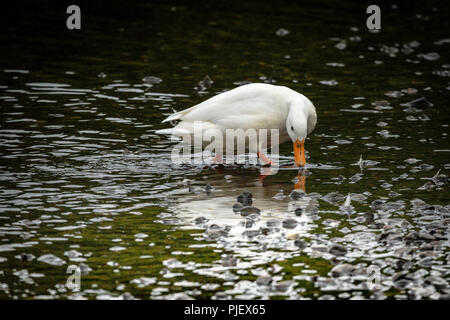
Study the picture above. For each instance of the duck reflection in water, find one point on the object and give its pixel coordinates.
(299, 180)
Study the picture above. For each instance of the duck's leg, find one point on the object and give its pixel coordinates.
(218, 159)
(265, 171)
(261, 178)
(264, 159)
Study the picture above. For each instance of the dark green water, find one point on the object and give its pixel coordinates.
(84, 178)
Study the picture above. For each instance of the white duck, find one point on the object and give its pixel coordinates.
(253, 106)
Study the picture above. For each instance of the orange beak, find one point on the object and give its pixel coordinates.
(299, 153)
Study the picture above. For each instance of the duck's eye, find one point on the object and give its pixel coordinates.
(292, 128)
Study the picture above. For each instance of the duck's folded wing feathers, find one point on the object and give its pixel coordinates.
(236, 108)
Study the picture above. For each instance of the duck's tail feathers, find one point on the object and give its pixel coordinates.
(173, 117)
(178, 115)
(173, 131)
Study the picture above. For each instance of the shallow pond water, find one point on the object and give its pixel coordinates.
(85, 180)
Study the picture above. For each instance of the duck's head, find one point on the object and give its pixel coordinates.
(301, 120)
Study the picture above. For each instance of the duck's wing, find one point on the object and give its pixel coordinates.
(249, 106)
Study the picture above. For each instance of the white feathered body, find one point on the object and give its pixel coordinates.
(253, 106)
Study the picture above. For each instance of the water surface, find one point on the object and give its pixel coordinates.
(85, 181)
